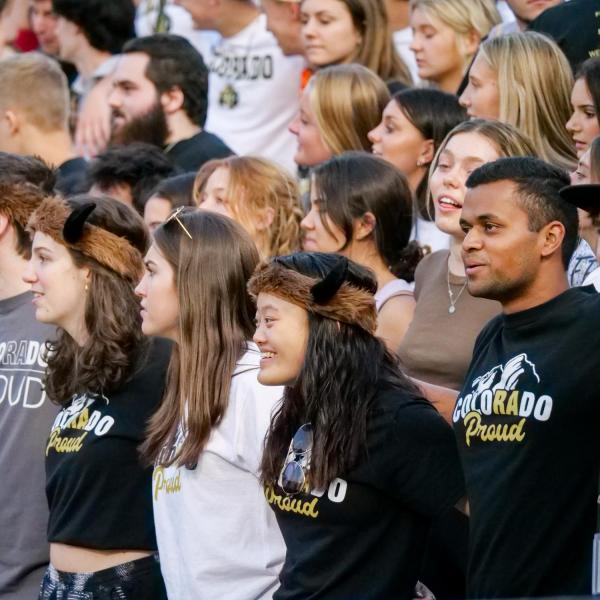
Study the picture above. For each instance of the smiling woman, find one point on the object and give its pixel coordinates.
(348, 448)
(86, 257)
(438, 345)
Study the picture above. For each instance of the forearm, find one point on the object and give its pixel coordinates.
(442, 398)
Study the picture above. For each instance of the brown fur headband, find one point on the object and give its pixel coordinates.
(106, 248)
(18, 201)
(348, 303)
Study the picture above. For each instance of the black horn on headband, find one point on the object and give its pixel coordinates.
(323, 291)
(73, 227)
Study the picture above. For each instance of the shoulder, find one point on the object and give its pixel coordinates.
(430, 266)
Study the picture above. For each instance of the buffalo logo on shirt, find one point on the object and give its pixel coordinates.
(506, 391)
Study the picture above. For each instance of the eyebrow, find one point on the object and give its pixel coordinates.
(41, 248)
(269, 307)
(488, 217)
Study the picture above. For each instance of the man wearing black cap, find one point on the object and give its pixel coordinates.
(527, 420)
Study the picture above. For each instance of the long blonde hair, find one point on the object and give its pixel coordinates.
(256, 184)
(534, 83)
(348, 101)
(463, 17)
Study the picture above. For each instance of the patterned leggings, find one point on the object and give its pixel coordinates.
(135, 580)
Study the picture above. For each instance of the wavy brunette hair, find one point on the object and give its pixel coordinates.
(355, 183)
(333, 391)
(115, 343)
(216, 318)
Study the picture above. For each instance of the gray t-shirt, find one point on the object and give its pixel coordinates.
(25, 419)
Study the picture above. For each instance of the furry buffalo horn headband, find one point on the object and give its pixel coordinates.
(332, 297)
(69, 227)
(19, 199)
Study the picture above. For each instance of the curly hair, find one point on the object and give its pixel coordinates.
(333, 391)
(115, 342)
(255, 185)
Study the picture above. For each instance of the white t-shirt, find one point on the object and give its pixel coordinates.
(179, 22)
(402, 41)
(217, 536)
(428, 234)
(254, 93)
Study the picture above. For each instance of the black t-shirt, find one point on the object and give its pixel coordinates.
(528, 426)
(575, 26)
(364, 536)
(190, 154)
(99, 494)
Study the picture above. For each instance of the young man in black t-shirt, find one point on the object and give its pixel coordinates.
(528, 418)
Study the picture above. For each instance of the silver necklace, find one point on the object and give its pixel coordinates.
(453, 301)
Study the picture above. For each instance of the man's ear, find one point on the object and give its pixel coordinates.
(552, 237)
(364, 226)
(12, 121)
(172, 100)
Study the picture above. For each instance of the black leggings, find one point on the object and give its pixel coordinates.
(136, 580)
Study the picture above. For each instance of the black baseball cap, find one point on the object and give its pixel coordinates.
(585, 196)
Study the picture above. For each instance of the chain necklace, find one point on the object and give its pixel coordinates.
(453, 301)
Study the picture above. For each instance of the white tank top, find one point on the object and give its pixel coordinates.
(396, 287)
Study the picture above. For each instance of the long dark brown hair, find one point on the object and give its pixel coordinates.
(334, 391)
(115, 342)
(216, 318)
(354, 183)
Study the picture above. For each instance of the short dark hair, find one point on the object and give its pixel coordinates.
(538, 184)
(140, 166)
(178, 190)
(106, 24)
(174, 62)
(16, 169)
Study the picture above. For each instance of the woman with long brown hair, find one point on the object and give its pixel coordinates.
(86, 258)
(214, 529)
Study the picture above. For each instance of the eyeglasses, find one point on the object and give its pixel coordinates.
(293, 474)
(175, 215)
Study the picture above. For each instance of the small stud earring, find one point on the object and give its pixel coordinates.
(419, 163)
(87, 287)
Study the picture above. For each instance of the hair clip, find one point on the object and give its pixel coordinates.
(73, 227)
(175, 215)
(323, 291)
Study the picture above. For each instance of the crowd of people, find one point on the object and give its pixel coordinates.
(297, 299)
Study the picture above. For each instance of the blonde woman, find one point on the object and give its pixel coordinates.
(446, 35)
(438, 345)
(525, 80)
(261, 196)
(338, 108)
(351, 31)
